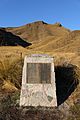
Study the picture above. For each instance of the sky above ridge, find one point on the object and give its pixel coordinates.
(15, 13)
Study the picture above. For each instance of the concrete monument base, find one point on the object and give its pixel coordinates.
(36, 89)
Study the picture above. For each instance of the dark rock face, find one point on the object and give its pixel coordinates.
(9, 39)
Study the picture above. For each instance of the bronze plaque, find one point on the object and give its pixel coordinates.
(38, 73)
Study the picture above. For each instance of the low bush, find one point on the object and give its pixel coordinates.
(11, 70)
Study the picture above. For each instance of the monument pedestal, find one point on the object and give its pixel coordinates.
(38, 82)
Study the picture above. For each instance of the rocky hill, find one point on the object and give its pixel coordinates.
(38, 30)
(46, 37)
(42, 36)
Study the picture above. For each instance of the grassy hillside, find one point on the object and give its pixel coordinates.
(40, 37)
(48, 37)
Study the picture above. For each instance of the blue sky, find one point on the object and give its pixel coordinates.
(20, 12)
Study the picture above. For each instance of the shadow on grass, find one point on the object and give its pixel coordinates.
(66, 81)
(9, 39)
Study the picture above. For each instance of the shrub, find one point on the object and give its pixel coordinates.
(75, 112)
(11, 70)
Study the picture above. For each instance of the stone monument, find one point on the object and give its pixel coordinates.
(38, 81)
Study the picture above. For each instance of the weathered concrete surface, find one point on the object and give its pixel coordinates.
(39, 94)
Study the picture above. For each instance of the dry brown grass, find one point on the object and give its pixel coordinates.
(54, 40)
